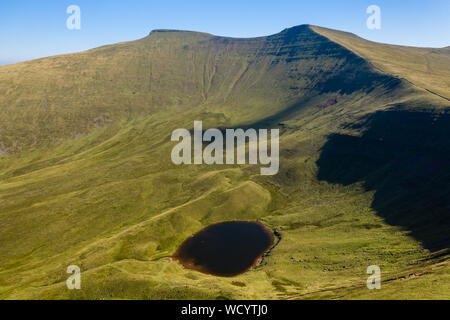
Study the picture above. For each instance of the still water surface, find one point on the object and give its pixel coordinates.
(225, 249)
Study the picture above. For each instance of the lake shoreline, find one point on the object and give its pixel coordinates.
(191, 265)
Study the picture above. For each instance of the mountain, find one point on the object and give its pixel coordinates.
(86, 176)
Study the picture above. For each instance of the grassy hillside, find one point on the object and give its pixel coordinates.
(86, 176)
(425, 68)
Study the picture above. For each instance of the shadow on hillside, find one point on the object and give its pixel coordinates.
(405, 158)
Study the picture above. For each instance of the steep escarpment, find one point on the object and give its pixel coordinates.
(52, 99)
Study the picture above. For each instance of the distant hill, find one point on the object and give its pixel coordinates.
(86, 176)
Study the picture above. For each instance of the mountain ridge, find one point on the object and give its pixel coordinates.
(164, 30)
(265, 46)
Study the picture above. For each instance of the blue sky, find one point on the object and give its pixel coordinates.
(32, 29)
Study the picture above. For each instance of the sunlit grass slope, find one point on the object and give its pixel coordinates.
(86, 176)
(426, 68)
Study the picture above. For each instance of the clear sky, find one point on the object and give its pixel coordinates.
(37, 28)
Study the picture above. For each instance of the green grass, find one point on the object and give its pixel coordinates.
(86, 176)
(425, 68)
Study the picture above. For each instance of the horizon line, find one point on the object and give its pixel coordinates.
(162, 30)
